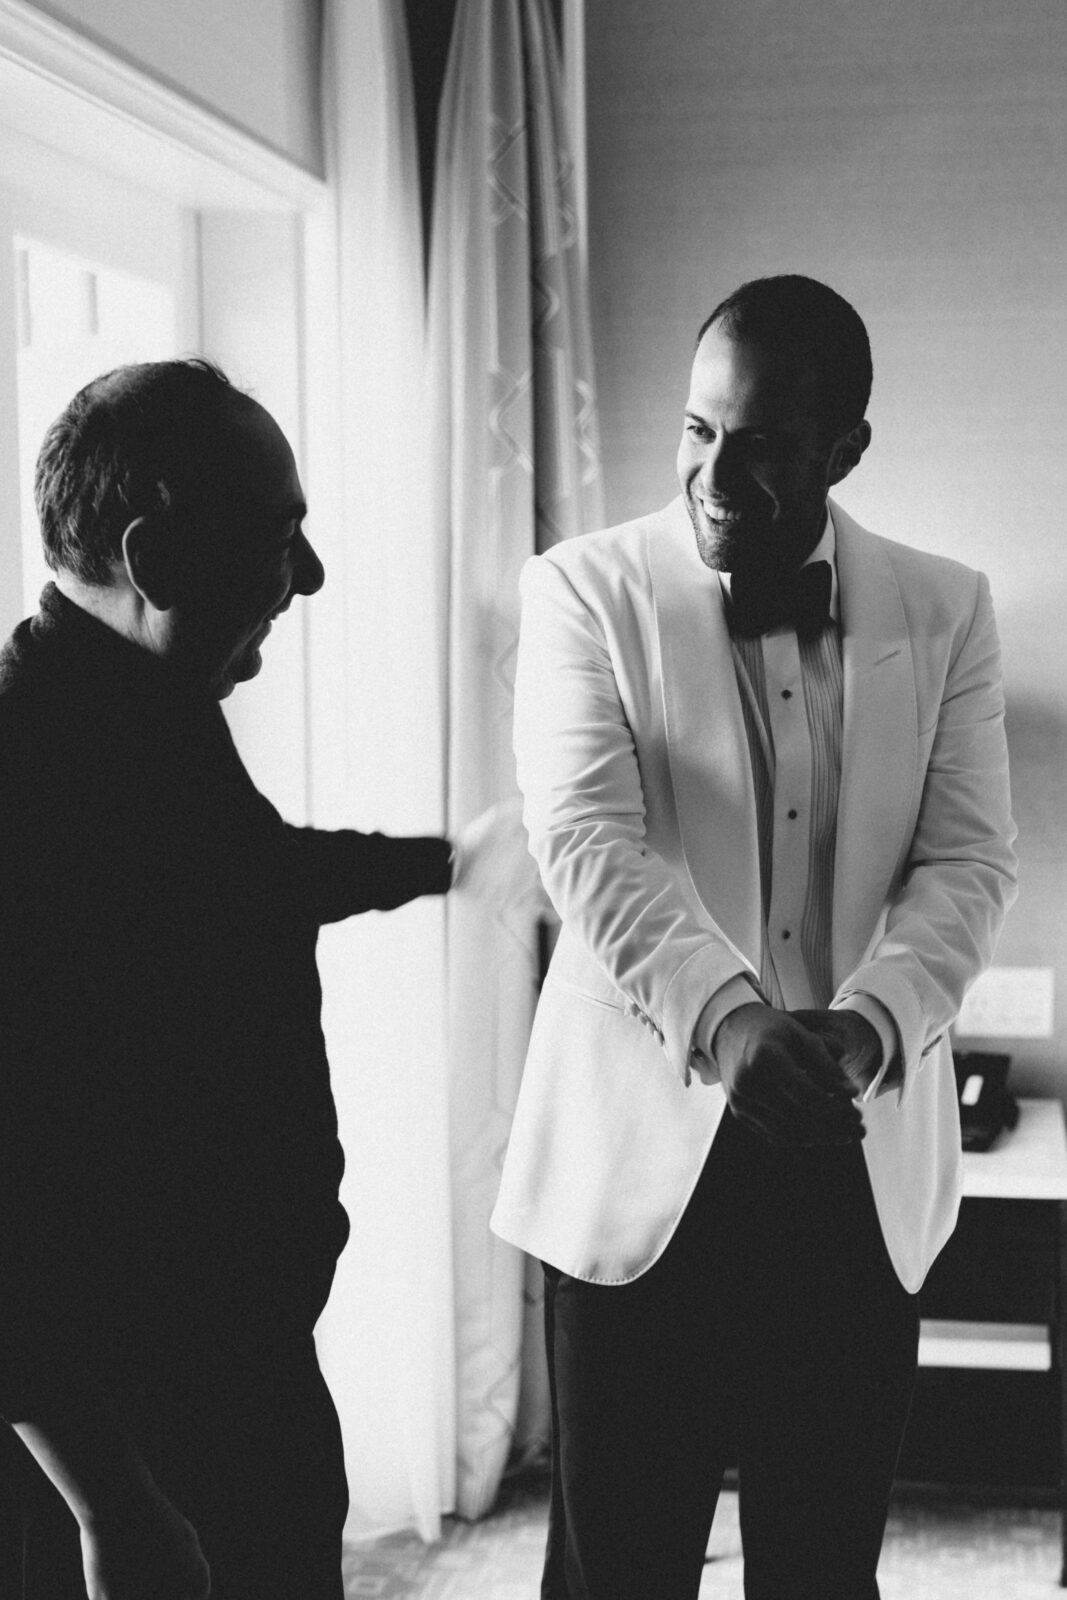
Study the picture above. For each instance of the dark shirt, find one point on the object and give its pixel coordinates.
(169, 1161)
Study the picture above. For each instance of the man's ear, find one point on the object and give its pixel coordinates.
(847, 452)
(148, 551)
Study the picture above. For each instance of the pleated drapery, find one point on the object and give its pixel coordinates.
(385, 1338)
(515, 468)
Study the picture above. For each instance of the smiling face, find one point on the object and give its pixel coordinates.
(755, 462)
(252, 559)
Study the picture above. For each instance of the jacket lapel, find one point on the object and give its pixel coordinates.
(879, 739)
(707, 748)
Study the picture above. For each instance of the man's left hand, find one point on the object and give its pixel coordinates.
(493, 860)
(850, 1039)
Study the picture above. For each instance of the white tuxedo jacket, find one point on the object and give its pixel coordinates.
(634, 763)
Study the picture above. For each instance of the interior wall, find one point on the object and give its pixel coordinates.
(254, 62)
(914, 157)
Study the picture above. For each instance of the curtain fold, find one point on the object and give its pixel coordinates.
(385, 1339)
(514, 468)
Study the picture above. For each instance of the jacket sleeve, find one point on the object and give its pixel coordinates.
(325, 875)
(959, 879)
(341, 873)
(584, 811)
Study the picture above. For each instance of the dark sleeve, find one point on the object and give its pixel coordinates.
(344, 872)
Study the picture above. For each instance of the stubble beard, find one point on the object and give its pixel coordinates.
(719, 550)
(765, 550)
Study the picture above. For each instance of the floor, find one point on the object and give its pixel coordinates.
(934, 1550)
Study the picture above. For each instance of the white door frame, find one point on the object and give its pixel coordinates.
(119, 118)
(264, 226)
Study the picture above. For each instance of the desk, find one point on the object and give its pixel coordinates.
(996, 1298)
(1029, 1163)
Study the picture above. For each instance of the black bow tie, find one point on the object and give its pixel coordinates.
(800, 600)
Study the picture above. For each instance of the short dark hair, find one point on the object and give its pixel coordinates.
(150, 439)
(811, 323)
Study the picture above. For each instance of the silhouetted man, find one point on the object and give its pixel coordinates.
(169, 1163)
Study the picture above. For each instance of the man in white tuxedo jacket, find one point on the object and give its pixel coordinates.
(763, 760)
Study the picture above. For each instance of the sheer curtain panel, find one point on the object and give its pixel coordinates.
(386, 1336)
(515, 468)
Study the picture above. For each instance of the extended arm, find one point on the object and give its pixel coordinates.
(341, 873)
(346, 872)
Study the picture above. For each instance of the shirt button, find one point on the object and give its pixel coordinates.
(785, 933)
(791, 815)
(787, 694)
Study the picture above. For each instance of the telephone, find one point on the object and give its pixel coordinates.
(986, 1106)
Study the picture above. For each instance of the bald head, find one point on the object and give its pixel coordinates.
(151, 440)
(172, 510)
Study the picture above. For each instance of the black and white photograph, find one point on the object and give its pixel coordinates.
(533, 854)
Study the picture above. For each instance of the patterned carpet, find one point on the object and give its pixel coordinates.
(934, 1550)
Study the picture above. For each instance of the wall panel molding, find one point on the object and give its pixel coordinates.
(65, 90)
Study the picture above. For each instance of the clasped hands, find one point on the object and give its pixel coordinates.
(794, 1077)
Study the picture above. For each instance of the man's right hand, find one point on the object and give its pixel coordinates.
(135, 1545)
(781, 1080)
(143, 1549)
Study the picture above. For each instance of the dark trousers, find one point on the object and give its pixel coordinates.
(774, 1332)
(252, 1459)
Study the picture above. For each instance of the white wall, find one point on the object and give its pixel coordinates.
(254, 62)
(251, 272)
(914, 156)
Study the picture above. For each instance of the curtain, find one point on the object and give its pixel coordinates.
(515, 469)
(385, 1340)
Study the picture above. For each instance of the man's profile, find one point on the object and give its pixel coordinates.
(169, 1162)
